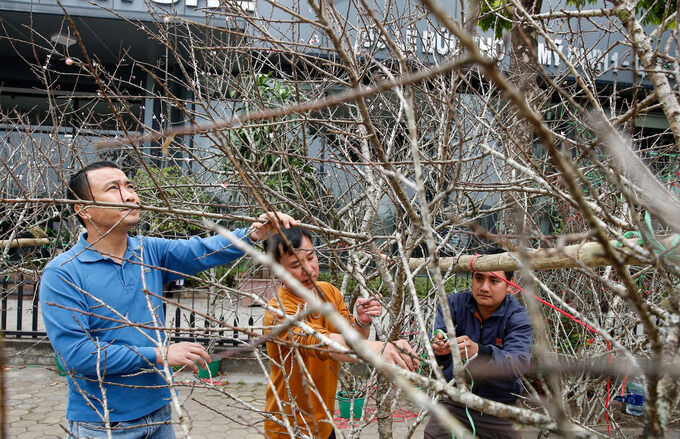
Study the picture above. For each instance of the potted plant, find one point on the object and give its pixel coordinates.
(60, 369)
(353, 390)
(211, 371)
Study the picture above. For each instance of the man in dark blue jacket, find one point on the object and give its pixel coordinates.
(493, 334)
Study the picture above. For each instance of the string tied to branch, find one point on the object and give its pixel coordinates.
(472, 260)
(646, 236)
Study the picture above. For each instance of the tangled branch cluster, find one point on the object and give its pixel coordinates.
(389, 154)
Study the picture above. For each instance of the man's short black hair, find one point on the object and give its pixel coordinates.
(496, 251)
(79, 186)
(277, 247)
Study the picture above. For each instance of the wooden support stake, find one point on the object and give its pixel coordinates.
(590, 254)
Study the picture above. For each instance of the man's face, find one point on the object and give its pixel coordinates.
(310, 264)
(112, 186)
(489, 290)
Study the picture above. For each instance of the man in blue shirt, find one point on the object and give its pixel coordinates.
(493, 336)
(102, 309)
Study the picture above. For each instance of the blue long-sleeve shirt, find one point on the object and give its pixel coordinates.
(87, 335)
(504, 340)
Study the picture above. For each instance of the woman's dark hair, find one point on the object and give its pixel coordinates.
(277, 247)
(497, 251)
(78, 185)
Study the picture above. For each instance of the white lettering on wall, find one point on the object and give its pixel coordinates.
(246, 5)
(547, 56)
(371, 38)
(614, 57)
(490, 47)
(560, 49)
(411, 39)
(428, 40)
(443, 41)
(544, 54)
(580, 57)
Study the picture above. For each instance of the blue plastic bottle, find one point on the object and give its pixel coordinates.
(635, 398)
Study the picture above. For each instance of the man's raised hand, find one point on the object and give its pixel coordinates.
(263, 229)
(367, 308)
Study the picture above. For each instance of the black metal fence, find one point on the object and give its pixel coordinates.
(221, 338)
(23, 293)
(20, 316)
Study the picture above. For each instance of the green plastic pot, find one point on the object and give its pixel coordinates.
(212, 370)
(60, 369)
(344, 401)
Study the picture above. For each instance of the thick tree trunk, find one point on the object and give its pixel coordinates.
(24, 242)
(590, 254)
(385, 385)
(523, 75)
(644, 49)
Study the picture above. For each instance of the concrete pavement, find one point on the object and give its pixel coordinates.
(37, 402)
(36, 405)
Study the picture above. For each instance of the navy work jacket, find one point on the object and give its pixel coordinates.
(504, 340)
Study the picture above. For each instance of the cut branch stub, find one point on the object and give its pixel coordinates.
(24, 242)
